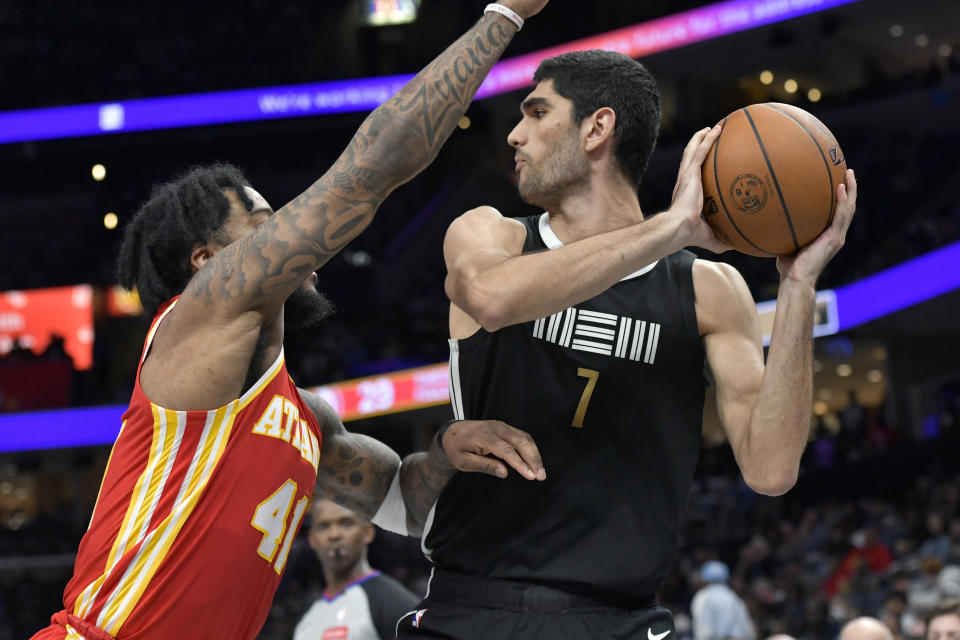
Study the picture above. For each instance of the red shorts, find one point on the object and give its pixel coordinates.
(66, 626)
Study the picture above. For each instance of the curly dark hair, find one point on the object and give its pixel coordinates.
(595, 79)
(189, 210)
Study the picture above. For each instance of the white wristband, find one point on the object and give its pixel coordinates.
(392, 514)
(506, 11)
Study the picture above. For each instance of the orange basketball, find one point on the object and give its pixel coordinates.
(770, 180)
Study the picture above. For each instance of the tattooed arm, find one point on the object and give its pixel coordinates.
(356, 470)
(394, 143)
(203, 351)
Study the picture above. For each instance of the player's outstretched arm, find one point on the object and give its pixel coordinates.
(395, 142)
(489, 279)
(361, 473)
(765, 409)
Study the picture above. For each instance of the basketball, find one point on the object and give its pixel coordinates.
(770, 180)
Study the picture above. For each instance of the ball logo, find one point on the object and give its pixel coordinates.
(748, 193)
(710, 206)
(836, 156)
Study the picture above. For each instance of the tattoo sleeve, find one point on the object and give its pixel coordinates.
(394, 143)
(356, 471)
(422, 477)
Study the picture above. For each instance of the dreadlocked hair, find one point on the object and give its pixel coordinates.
(180, 214)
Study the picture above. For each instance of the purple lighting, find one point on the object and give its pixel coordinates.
(222, 107)
(931, 275)
(889, 291)
(198, 109)
(60, 429)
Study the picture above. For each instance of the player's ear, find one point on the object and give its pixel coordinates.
(199, 256)
(369, 533)
(598, 128)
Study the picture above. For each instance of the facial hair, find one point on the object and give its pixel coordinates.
(305, 308)
(562, 172)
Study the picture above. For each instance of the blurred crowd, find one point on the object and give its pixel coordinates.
(30, 381)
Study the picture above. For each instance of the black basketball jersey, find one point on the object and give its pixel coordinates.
(612, 391)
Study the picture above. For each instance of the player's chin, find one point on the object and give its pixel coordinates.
(306, 307)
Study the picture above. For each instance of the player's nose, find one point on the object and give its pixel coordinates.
(515, 138)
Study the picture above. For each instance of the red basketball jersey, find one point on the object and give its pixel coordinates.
(196, 514)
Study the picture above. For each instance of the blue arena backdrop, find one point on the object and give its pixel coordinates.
(907, 284)
(363, 94)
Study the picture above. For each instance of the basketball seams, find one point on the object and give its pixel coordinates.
(773, 174)
(826, 164)
(716, 181)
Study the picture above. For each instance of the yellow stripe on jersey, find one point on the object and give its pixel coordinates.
(147, 487)
(73, 634)
(86, 598)
(151, 554)
(172, 432)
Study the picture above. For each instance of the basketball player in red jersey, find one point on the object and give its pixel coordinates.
(219, 451)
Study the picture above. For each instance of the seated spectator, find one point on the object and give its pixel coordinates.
(718, 612)
(944, 622)
(865, 628)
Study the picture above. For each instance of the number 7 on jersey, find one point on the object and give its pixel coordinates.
(591, 376)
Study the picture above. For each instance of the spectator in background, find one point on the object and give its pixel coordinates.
(865, 628)
(718, 612)
(868, 553)
(937, 543)
(948, 582)
(824, 446)
(853, 414)
(953, 555)
(892, 612)
(924, 593)
(56, 350)
(944, 623)
(358, 603)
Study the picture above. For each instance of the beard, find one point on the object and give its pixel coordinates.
(306, 307)
(563, 173)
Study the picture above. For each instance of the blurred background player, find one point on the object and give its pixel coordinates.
(718, 612)
(358, 603)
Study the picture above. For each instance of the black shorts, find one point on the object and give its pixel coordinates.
(459, 607)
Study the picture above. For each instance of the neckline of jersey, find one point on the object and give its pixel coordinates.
(553, 242)
(352, 583)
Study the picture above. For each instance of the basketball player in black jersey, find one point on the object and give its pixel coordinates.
(589, 326)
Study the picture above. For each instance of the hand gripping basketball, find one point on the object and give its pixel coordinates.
(687, 201)
(475, 445)
(806, 265)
